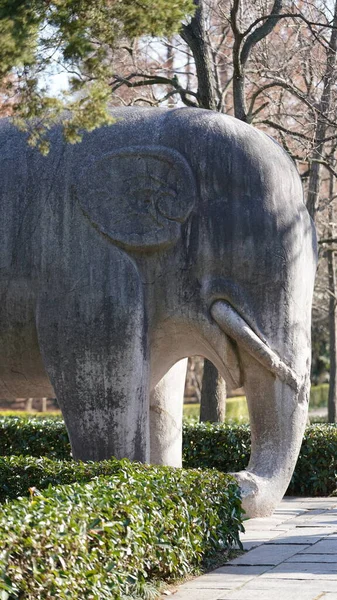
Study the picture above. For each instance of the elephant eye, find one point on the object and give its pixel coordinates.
(152, 195)
(142, 196)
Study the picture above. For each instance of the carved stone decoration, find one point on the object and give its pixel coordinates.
(169, 234)
(153, 187)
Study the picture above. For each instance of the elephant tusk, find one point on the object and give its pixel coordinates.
(238, 329)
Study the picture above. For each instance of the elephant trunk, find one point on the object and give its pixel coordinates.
(277, 402)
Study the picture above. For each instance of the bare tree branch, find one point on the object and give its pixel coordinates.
(286, 130)
(149, 80)
(328, 241)
(288, 16)
(261, 32)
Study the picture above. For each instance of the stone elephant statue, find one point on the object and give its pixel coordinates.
(167, 234)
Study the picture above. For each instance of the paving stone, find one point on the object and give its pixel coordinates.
(313, 558)
(263, 521)
(253, 544)
(270, 594)
(301, 535)
(310, 523)
(326, 515)
(187, 594)
(268, 555)
(309, 517)
(324, 521)
(293, 556)
(249, 545)
(318, 511)
(310, 503)
(261, 524)
(326, 546)
(303, 571)
(283, 585)
(261, 535)
(289, 511)
(310, 513)
(225, 577)
(239, 570)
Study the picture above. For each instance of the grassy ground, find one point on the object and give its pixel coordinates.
(236, 408)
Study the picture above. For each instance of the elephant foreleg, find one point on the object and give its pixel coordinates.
(166, 408)
(97, 362)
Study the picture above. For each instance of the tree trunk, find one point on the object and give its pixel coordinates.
(322, 122)
(332, 267)
(194, 34)
(213, 395)
(332, 401)
(239, 97)
(170, 72)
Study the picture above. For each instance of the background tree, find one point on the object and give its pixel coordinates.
(332, 288)
(79, 37)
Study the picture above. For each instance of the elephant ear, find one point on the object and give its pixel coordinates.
(138, 196)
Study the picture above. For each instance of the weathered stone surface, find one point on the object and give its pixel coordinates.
(165, 235)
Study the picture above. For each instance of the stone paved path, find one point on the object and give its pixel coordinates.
(291, 555)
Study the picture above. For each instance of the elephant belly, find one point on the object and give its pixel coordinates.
(172, 341)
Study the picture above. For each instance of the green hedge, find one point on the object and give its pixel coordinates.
(225, 448)
(34, 414)
(34, 437)
(316, 469)
(19, 474)
(107, 538)
(222, 447)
